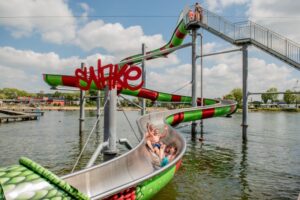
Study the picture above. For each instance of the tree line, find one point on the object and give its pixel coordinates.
(289, 98)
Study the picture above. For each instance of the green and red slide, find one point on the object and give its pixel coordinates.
(129, 176)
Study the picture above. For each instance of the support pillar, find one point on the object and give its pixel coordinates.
(143, 110)
(110, 122)
(194, 81)
(98, 102)
(201, 84)
(106, 115)
(82, 105)
(245, 92)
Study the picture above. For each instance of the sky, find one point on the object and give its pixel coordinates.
(38, 36)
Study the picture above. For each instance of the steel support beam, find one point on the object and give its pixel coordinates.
(159, 53)
(106, 115)
(82, 105)
(143, 110)
(98, 102)
(194, 80)
(245, 92)
(112, 123)
(96, 154)
(220, 52)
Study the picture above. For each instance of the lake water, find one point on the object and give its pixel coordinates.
(222, 167)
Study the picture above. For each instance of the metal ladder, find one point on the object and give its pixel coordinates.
(248, 32)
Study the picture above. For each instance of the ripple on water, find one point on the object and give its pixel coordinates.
(267, 167)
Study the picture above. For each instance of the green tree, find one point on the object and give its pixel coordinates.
(57, 94)
(149, 103)
(265, 97)
(235, 94)
(12, 93)
(288, 97)
(272, 97)
(229, 97)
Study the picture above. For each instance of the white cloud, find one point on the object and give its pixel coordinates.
(116, 39)
(86, 10)
(218, 5)
(221, 78)
(54, 22)
(24, 68)
(30, 12)
(280, 16)
(170, 60)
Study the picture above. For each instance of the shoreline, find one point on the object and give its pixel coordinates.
(150, 109)
(239, 110)
(73, 108)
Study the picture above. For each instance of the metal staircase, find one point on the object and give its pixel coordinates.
(248, 32)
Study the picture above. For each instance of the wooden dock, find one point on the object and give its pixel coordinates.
(12, 116)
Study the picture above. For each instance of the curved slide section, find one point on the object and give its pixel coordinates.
(132, 175)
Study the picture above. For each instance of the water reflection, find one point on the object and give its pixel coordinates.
(245, 190)
(267, 167)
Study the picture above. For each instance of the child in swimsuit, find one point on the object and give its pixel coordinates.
(153, 139)
(167, 154)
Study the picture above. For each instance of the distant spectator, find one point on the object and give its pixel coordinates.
(191, 15)
(198, 12)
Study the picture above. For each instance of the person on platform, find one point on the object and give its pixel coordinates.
(191, 15)
(198, 12)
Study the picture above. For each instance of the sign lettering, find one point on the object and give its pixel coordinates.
(109, 75)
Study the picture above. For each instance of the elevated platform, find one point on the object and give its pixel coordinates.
(249, 33)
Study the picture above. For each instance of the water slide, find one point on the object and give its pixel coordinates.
(132, 175)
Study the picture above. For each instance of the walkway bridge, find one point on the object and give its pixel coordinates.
(248, 32)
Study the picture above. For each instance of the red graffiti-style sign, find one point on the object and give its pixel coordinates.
(109, 75)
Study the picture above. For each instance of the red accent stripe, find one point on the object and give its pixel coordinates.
(207, 113)
(232, 108)
(162, 48)
(178, 164)
(70, 81)
(148, 94)
(199, 102)
(176, 98)
(179, 34)
(171, 45)
(178, 117)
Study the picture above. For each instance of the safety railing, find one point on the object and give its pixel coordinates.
(249, 31)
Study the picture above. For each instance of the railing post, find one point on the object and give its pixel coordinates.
(268, 38)
(254, 35)
(250, 30)
(219, 23)
(82, 105)
(286, 48)
(245, 92)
